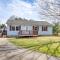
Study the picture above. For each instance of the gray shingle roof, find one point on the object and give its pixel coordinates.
(27, 22)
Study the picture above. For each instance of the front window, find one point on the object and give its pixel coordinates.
(12, 28)
(44, 28)
(17, 28)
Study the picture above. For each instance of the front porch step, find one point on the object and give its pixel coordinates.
(28, 35)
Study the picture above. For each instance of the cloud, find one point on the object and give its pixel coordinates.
(23, 9)
(19, 8)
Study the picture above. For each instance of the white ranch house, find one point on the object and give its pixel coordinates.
(23, 27)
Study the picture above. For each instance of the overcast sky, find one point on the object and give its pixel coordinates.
(22, 8)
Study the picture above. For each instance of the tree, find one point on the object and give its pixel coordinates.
(50, 9)
(2, 26)
(56, 28)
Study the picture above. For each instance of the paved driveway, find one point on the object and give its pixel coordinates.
(10, 52)
(3, 41)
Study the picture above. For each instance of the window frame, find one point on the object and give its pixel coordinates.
(44, 28)
(17, 28)
(12, 28)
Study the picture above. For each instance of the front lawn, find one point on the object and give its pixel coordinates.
(46, 44)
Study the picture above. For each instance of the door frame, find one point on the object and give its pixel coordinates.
(35, 30)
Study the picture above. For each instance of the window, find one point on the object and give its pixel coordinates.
(12, 28)
(36, 28)
(17, 28)
(44, 28)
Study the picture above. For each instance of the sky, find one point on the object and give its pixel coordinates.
(21, 8)
(27, 9)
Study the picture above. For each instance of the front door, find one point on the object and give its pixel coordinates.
(35, 30)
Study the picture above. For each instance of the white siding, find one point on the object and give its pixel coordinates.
(49, 32)
(15, 33)
(11, 33)
(29, 27)
(23, 27)
(26, 27)
(40, 32)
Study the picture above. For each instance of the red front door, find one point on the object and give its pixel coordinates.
(35, 30)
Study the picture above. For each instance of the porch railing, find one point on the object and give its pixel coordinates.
(27, 32)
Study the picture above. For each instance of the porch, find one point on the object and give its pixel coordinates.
(27, 33)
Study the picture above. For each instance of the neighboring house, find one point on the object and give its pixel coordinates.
(23, 27)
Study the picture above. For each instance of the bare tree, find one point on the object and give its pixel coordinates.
(49, 8)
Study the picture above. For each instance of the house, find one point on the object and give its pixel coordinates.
(23, 27)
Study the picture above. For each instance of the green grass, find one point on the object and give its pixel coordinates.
(49, 45)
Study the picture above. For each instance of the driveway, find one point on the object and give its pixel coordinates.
(10, 52)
